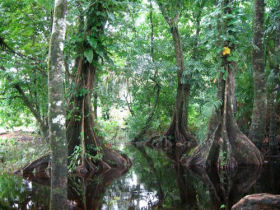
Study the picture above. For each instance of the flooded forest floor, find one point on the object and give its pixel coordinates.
(153, 182)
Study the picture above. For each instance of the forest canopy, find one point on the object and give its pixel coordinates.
(155, 67)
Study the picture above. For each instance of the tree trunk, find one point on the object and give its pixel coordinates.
(258, 124)
(43, 125)
(95, 103)
(273, 93)
(82, 103)
(272, 105)
(81, 128)
(224, 137)
(177, 131)
(44, 131)
(57, 130)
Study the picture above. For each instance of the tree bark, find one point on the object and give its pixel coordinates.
(43, 125)
(272, 96)
(57, 129)
(177, 131)
(95, 95)
(258, 124)
(82, 108)
(272, 106)
(81, 127)
(224, 136)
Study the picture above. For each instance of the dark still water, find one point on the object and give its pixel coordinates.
(153, 182)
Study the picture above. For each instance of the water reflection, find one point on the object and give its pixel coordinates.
(154, 182)
(149, 183)
(17, 193)
(226, 188)
(88, 193)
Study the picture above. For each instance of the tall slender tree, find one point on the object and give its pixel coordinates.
(258, 124)
(57, 128)
(177, 131)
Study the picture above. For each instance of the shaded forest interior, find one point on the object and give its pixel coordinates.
(197, 79)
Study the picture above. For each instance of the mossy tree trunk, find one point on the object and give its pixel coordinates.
(258, 124)
(224, 136)
(81, 127)
(57, 129)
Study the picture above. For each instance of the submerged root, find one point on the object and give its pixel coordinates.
(226, 150)
(111, 160)
(160, 142)
(174, 145)
(225, 144)
(175, 140)
(38, 166)
(206, 154)
(227, 187)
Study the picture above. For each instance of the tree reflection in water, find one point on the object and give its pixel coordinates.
(154, 181)
(226, 188)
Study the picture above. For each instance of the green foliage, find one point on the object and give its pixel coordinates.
(117, 41)
(13, 190)
(191, 152)
(89, 55)
(223, 206)
(25, 29)
(111, 130)
(75, 157)
(81, 92)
